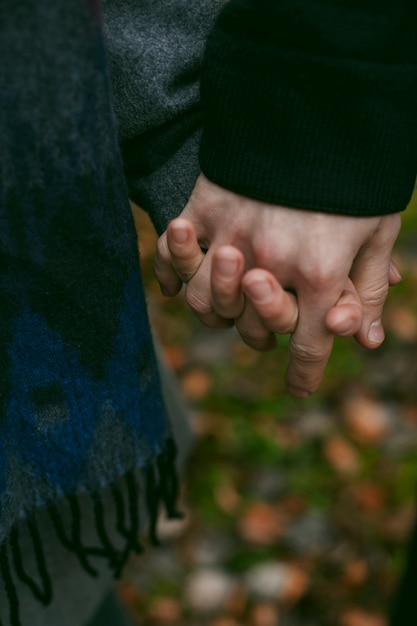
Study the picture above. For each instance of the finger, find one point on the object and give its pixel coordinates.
(226, 275)
(199, 297)
(371, 274)
(345, 318)
(186, 254)
(276, 307)
(252, 330)
(164, 272)
(394, 274)
(269, 309)
(308, 360)
(311, 343)
(307, 364)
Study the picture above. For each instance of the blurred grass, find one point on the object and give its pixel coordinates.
(248, 425)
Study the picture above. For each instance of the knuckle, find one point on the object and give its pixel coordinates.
(376, 297)
(307, 354)
(197, 304)
(161, 273)
(320, 276)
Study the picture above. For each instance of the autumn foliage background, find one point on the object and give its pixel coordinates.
(298, 512)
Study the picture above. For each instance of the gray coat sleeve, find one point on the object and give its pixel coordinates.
(155, 50)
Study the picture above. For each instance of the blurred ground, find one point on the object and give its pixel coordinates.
(297, 511)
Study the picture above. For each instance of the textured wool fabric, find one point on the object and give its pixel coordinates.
(76, 356)
(155, 52)
(313, 103)
(80, 398)
(77, 594)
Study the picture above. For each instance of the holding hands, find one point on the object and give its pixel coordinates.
(271, 269)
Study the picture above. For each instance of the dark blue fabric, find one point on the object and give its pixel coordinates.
(80, 400)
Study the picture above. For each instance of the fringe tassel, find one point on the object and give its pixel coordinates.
(73, 545)
(161, 487)
(168, 480)
(120, 512)
(130, 534)
(44, 593)
(152, 503)
(133, 500)
(108, 548)
(10, 587)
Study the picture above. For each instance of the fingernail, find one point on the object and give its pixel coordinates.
(260, 289)
(396, 271)
(178, 234)
(376, 332)
(227, 267)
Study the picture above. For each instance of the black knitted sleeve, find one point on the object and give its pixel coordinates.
(313, 103)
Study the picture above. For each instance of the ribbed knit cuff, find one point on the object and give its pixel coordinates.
(306, 131)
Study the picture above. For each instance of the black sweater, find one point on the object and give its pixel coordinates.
(313, 103)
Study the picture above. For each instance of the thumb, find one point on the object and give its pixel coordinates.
(186, 254)
(372, 273)
(345, 318)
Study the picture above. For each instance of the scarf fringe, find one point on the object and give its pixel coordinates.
(160, 487)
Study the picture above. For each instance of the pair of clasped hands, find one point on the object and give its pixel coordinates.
(272, 270)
